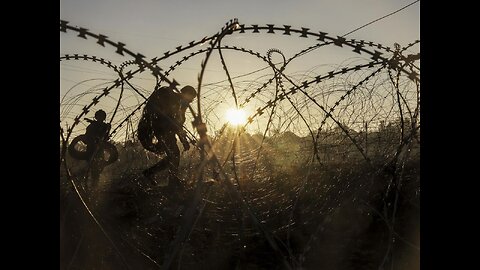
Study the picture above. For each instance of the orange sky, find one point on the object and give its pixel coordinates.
(154, 27)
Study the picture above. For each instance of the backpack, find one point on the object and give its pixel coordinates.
(155, 117)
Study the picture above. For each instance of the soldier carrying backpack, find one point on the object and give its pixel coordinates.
(162, 119)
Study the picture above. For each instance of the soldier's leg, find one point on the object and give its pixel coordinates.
(95, 171)
(91, 172)
(173, 154)
(157, 167)
(97, 164)
(159, 148)
(173, 157)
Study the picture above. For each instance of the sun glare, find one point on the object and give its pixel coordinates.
(236, 117)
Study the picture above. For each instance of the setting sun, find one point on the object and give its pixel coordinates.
(236, 117)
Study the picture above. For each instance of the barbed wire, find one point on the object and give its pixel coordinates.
(375, 92)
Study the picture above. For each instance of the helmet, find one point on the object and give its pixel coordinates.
(100, 115)
(188, 93)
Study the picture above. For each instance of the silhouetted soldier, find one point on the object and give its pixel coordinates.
(96, 135)
(163, 118)
(95, 139)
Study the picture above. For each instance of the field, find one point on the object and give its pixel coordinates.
(294, 212)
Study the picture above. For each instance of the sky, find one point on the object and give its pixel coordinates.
(153, 27)
(181, 20)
